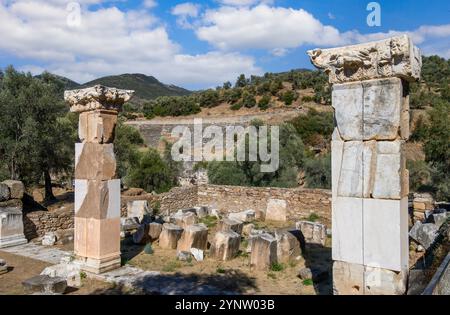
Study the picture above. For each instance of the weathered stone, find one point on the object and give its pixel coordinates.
(313, 232)
(129, 224)
(348, 278)
(244, 216)
(230, 225)
(392, 57)
(379, 281)
(97, 97)
(315, 274)
(170, 235)
(97, 199)
(141, 236)
(276, 210)
(155, 230)
(225, 245)
(16, 188)
(95, 161)
(69, 271)
(202, 211)
(183, 255)
(49, 239)
(264, 252)
(184, 219)
(247, 228)
(11, 227)
(97, 126)
(288, 245)
(194, 236)
(138, 209)
(4, 192)
(3, 267)
(197, 253)
(438, 219)
(45, 284)
(424, 234)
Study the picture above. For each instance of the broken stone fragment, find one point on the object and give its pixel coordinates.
(45, 284)
(227, 224)
(170, 235)
(16, 188)
(129, 224)
(424, 234)
(315, 274)
(183, 255)
(247, 228)
(244, 216)
(313, 232)
(141, 236)
(438, 218)
(95, 161)
(276, 210)
(69, 271)
(184, 219)
(264, 252)
(225, 245)
(49, 239)
(288, 245)
(97, 126)
(197, 253)
(4, 192)
(138, 209)
(194, 236)
(154, 231)
(3, 267)
(97, 97)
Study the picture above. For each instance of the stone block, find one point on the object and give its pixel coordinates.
(97, 199)
(129, 224)
(154, 230)
(263, 252)
(170, 235)
(11, 227)
(424, 234)
(247, 228)
(386, 234)
(313, 232)
(49, 239)
(45, 284)
(4, 192)
(16, 188)
(69, 271)
(244, 216)
(184, 219)
(141, 236)
(95, 161)
(230, 225)
(348, 278)
(194, 236)
(276, 210)
(97, 126)
(347, 101)
(337, 151)
(225, 245)
(138, 209)
(347, 230)
(288, 245)
(198, 254)
(380, 281)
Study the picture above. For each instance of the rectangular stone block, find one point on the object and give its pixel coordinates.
(348, 278)
(347, 101)
(95, 161)
(347, 229)
(276, 210)
(97, 126)
(386, 233)
(11, 227)
(16, 188)
(97, 199)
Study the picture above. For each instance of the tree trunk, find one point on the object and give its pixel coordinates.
(48, 187)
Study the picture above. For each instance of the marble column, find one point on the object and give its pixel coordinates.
(370, 97)
(97, 190)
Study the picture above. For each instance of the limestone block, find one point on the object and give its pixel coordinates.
(244, 216)
(263, 252)
(337, 150)
(138, 209)
(11, 227)
(141, 236)
(230, 225)
(386, 233)
(170, 235)
(184, 219)
(357, 169)
(313, 232)
(347, 101)
(97, 97)
(194, 236)
(347, 230)
(45, 284)
(379, 281)
(49, 239)
(97, 199)
(405, 118)
(69, 271)
(392, 57)
(424, 234)
(4, 192)
(97, 126)
(390, 171)
(16, 188)
(97, 239)
(95, 161)
(129, 224)
(246, 230)
(225, 245)
(198, 254)
(348, 278)
(154, 230)
(276, 210)
(288, 245)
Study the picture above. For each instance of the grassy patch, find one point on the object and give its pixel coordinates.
(171, 266)
(271, 275)
(243, 253)
(83, 275)
(209, 221)
(277, 267)
(307, 282)
(293, 263)
(220, 270)
(244, 243)
(313, 217)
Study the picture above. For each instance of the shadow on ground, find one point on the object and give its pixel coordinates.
(318, 259)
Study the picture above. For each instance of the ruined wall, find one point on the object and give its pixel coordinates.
(37, 223)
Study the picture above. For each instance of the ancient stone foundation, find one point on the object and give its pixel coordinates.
(11, 223)
(97, 192)
(369, 177)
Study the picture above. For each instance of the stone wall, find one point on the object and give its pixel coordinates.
(37, 223)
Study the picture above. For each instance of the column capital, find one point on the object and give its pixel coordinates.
(97, 97)
(392, 57)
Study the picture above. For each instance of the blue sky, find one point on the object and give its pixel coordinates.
(200, 44)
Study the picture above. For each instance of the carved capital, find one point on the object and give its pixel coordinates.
(97, 97)
(392, 57)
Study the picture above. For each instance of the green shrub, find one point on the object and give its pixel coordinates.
(236, 106)
(307, 99)
(277, 267)
(248, 99)
(307, 282)
(289, 97)
(318, 172)
(312, 124)
(419, 175)
(264, 102)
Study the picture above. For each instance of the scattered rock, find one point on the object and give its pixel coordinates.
(215, 213)
(313, 232)
(4, 192)
(246, 229)
(288, 245)
(202, 211)
(64, 237)
(132, 192)
(276, 210)
(227, 224)
(129, 224)
(169, 236)
(49, 239)
(141, 237)
(263, 252)
(155, 230)
(197, 253)
(244, 216)
(183, 255)
(194, 236)
(70, 271)
(316, 274)
(424, 234)
(45, 284)
(16, 188)
(138, 209)
(437, 218)
(420, 248)
(184, 219)
(3, 267)
(225, 245)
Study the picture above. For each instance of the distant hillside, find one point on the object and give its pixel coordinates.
(146, 87)
(68, 84)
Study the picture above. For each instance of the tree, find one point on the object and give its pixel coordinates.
(241, 81)
(248, 99)
(318, 172)
(289, 97)
(126, 148)
(36, 136)
(227, 85)
(264, 102)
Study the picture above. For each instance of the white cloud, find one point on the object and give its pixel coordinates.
(279, 52)
(184, 11)
(245, 3)
(108, 41)
(149, 4)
